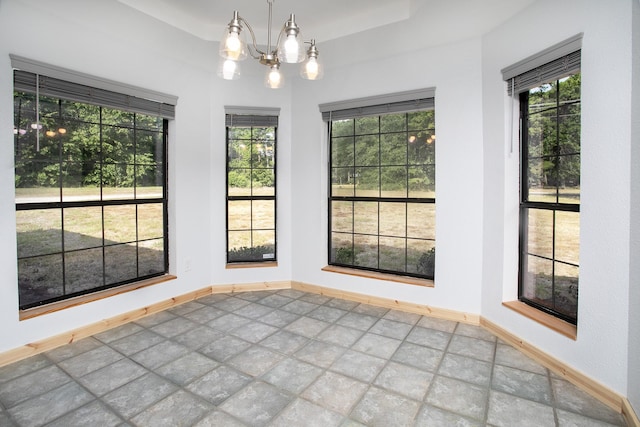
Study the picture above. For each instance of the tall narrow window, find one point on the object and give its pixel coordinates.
(90, 180)
(549, 97)
(382, 188)
(251, 185)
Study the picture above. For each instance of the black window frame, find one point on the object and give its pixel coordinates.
(527, 205)
(253, 254)
(43, 87)
(427, 261)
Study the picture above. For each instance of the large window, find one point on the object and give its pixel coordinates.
(251, 185)
(382, 186)
(549, 97)
(90, 185)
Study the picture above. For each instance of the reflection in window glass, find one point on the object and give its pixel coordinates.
(382, 195)
(90, 196)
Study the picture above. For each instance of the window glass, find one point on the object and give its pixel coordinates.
(90, 199)
(251, 193)
(550, 197)
(382, 195)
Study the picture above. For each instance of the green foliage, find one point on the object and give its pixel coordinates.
(256, 253)
(427, 262)
(263, 178)
(559, 293)
(554, 133)
(385, 152)
(97, 146)
(344, 256)
(239, 178)
(251, 157)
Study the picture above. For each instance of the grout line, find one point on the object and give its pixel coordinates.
(284, 356)
(490, 385)
(552, 396)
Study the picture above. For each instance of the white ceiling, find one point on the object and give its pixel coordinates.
(321, 19)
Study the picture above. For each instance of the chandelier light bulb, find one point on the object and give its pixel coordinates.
(291, 49)
(274, 78)
(229, 69)
(312, 69)
(233, 46)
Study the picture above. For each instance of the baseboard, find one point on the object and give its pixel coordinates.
(594, 388)
(250, 287)
(441, 313)
(599, 391)
(629, 414)
(74, 335)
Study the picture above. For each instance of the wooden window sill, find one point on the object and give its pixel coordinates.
(251, 264)
(83, 299)
(565, 328)
(380, 276)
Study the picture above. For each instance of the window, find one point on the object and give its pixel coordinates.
(550, 184)
(382, 185)
(251, 184)
(90, 185)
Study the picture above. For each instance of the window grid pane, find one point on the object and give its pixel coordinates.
(89, 191)
(251, 193)
(550, 197)
(382, 195)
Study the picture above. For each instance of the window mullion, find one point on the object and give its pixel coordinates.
(553, 261)
(383, 174)
(82, 173)
(254, 143)
(406, 203)
(546, 175)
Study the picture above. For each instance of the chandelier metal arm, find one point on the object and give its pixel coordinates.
(289, 48)
(258, 52)
(266, 58)
(282, 31)
(269, 25)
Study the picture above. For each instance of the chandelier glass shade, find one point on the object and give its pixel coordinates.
(289, 49)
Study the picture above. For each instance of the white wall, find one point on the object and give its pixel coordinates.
(454, 70)
(476, 176)
(600, 350)
(250, 91)
(633, 388)
(110, 40)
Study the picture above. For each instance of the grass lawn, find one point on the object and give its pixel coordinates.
(132, 237)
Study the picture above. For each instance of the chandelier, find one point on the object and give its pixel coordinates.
(289, 48)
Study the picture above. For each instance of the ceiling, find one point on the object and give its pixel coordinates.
(323, 19)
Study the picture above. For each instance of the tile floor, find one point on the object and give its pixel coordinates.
(288, 358)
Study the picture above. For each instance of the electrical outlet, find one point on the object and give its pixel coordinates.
(187, 264)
